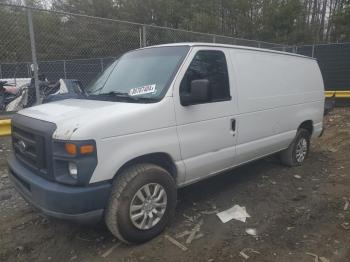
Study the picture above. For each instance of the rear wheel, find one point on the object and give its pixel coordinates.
(142, 203)
(298, 150)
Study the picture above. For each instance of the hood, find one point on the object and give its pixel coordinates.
(65, 109)
(91, 119)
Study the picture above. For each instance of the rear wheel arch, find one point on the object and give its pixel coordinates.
(307, 125)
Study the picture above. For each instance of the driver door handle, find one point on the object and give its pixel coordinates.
(233, 126)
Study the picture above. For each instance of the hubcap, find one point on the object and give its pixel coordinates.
(148, 206)
(301, 150)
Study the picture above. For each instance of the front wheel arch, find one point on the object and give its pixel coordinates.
(160, 159)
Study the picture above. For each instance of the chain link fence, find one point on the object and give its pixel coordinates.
(334, 61)
(74, 46)
(64, 36)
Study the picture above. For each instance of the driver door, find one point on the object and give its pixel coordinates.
(207, 131)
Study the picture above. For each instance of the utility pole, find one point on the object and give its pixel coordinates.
(34, 58)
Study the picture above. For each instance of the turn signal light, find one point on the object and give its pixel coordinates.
(86, 149)
(73, 149)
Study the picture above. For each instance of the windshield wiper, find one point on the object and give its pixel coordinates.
(95, 92)
(115, 93)
(126, 96)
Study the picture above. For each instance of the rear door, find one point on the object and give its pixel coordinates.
(207, 131)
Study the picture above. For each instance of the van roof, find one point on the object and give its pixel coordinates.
(192, 44)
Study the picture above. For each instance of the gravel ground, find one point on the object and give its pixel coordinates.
(299, 213)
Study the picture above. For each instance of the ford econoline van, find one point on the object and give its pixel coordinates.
(160, 118)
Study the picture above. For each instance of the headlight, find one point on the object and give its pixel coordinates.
(74, 161)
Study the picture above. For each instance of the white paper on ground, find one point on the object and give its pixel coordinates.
(236, 212)
(251, 231)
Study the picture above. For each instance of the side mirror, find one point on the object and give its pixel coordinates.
(199, 93)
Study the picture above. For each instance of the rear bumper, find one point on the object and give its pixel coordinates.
(322, 131)
(318, 130)
(80, 204)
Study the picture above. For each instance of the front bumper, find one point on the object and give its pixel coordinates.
(81, 204)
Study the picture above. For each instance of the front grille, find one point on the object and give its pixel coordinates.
(29, 148)
(32, 144)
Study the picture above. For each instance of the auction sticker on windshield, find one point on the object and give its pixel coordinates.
(142, 90)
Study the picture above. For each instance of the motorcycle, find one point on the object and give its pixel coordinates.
(48, 92)
(8, 93)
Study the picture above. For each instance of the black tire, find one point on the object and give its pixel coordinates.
(125, 186)
(289, 156)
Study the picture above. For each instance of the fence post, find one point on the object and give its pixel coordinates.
(101, 62)
(313, 51)
(259, 45)
(28, 70)
(144, 34)
(34, 58)
(0, 72)
(140, 36)
(214, 39)
(64, 69)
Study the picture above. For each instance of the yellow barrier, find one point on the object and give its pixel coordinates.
(338, 94)
(5, 127)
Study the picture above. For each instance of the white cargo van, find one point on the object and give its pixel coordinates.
(160, 118)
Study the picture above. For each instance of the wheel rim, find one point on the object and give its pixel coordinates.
(148, 206)
(301, 150)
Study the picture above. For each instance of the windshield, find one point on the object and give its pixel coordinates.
(141, 74)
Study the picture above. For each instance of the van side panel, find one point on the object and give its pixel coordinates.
(276, 93)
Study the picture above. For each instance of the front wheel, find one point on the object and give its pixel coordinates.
(298, 150)
(141, 204)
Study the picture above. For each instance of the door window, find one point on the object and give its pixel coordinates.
(210, 65)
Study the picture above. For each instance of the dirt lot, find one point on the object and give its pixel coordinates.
(295, 211)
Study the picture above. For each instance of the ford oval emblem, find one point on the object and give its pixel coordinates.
(22, 146)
